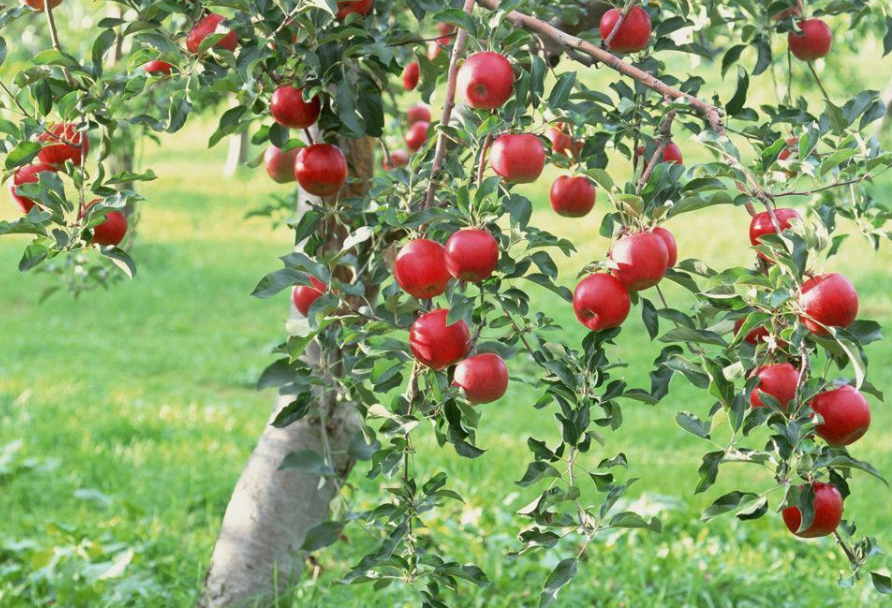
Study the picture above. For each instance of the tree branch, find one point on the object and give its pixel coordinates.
(663, 138)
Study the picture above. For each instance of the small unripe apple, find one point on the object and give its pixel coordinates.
(63, 142)
(634, 33)
(111, 231)
(321, 169)
(40, 5)
(518, 158)
(471, 255)
(754, 336)
(411, 74)
(761, 224)
(828, 300)
(289, 109)
(780, 381)
(280, 165)
(420, 269)
(827, 513)
(671, 154)
(157, 67)
(418, 113)
(792, 148)
(572, 196)
(205, 28)
(846, 415)
(562, 142)
(436, 345)
(484, 378)
(303, 296)
(795, 11)
(486, 80)
(601, 302)
(813, 43)
(398, 158)
(27, 175)
(360, 7)
(416, 135)
(641, 259)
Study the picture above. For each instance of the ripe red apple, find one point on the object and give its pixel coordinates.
(780, 380)
(303, 296)
(360, 7)
(411, 74)
(828, 300)
(472, 255)
(157, 67)
(754, 336)
(111, 231)
(601, 302)
(280, 165)
(290, 110)
(813, 43)
(398, 158)
(792, 148)
(572, 196)
(761, 224)
(641, 258)
(671, 245)
(418, 113)
(65, 143)
(846, 415)
(435, 344)
(634, 33)
(562, 142)
(27, 175)
(486, 80)
(321, 169)
(671, 154)
(828, 513)
(416, 135)
(420, 269)
(445, 29)
(518, 158)
(795, 11)
(484, 378)
(205, 28)
(40, 5)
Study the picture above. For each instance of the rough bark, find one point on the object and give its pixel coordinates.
(257, 557)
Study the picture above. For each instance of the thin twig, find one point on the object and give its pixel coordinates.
(664, 136)
(622, 17)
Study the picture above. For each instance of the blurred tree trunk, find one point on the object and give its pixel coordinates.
(887, 119)
(238, 153)
(257, 557)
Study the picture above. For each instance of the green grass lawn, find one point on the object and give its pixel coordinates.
(127, 415)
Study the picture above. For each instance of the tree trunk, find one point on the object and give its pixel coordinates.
(238, 153)
(257, 557)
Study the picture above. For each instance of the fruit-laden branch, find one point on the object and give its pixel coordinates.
(712, 114)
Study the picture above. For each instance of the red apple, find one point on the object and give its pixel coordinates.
(846, 415)
(112, 230)
(671, 245)
(27, 175)
(420, 269)
(398, 158)
(435, 344)
(634, 33)
(290, 110)
(601, 302)
(418, 113)
(280, 165)
(416, 135)
(780, 380)
(754, 336)
(813, 43)
(562, 142)
(761, 224)
(40, 5)
(641, 258)
(671, 154)
(303, 296)
(321, 169)
(484, 378)
(445, 29)
(360, 7)
(205, 28)
(433, 49)
(794, 12)
(472, 255)
(518, 158)
(157, 67)
(486, 80)
(827, 509)
(828, 300)
(64, 142)
(792, 148)
(411, 73)
(572, 196)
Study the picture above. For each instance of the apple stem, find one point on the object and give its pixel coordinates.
(309, 136)
(811, 67)
(481, 167)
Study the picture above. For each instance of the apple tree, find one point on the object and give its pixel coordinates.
(413, 266)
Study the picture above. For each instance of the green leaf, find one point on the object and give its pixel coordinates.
(322, 535)
(560, 576)
(22, 154)
(692, 424)
(693, 336)
(629, 519)
(736, 103)
(294, 411)
(536, 471)
(560, 93)
(728, 502)
(307, 461)
(881, 582)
